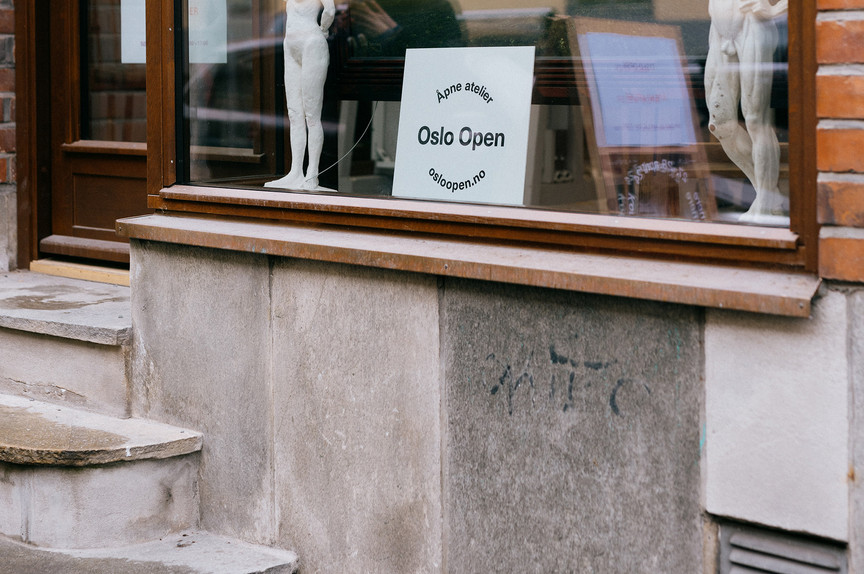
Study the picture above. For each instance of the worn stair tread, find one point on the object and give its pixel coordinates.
(68, 308)
(33, 432)
(190, 553)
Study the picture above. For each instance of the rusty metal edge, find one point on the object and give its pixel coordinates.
(707, 285)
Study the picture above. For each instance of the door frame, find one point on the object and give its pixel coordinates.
(33, 133)
(39, 138)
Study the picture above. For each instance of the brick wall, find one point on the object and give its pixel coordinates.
(8, 213)
(7, 92)
(840, 138)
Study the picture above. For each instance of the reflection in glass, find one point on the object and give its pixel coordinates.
(238, 132)
(389, 27)
(114, 103)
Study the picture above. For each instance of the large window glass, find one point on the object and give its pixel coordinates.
(655, 108)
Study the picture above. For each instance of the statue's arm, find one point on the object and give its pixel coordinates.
(781, 7)
(765, 9)
(329, 14)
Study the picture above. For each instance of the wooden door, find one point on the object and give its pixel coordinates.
(98, 131)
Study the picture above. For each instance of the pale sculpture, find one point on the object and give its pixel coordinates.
(306, 60)
(738, 70)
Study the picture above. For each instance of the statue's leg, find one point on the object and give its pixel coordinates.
(294, 99)
(297, 127)
(723, 93)
(316, 58)
(294, 102)
(760, 41)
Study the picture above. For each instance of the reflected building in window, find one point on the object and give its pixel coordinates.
(239, 132)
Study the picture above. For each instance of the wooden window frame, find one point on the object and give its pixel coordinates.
(793, 249)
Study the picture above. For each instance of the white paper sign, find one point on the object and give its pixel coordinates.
(208, 32)
(463, 126)
(641, 91)
(133, 44)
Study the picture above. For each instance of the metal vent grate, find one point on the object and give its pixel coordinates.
(747, 550)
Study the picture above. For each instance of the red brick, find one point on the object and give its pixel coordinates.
(841, 258)
(841, 203)
(839, 4)
(839, 41)
(839, 150)
(840, 97)
(7, 137)
(7, 79)
(7, 21)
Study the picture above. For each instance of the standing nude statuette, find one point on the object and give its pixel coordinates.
(306, 60)
(738, 72)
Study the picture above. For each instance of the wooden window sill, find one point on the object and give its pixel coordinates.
(106, 147)
(777, 292)
(671, 239)
(700, 232)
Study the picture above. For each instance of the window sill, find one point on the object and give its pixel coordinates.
(671, 239)
(638, 227)
(709, 285)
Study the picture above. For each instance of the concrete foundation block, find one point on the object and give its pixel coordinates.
(357, 417)
(856, 432)
(777, 444)
(200, 351)
(572, 432)
(102, 506)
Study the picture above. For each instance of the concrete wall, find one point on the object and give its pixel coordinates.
(201, 328)
(377, 421)
(8, 228)
(317, 390)
(572, 432)
(856, 430)
(356, 417)
(776, 412)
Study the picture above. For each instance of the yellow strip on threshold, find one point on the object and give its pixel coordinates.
(81, 271)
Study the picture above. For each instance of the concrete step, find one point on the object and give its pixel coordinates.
(65, 340)
(76, 479)
(182, 553)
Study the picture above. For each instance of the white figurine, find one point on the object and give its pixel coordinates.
(306, 59)
(738, 69)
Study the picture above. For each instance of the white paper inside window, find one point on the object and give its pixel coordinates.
(133, 44)
(643, 96)
(208, 32)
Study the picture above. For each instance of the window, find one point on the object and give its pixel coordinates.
(587, 187)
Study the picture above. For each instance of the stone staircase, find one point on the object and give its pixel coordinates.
(65, 341)
(84, 487)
